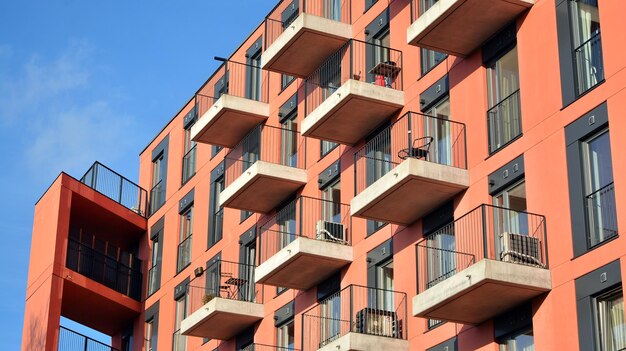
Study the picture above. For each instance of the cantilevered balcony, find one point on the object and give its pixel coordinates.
(300, 34)
(223, 302)
(304, 243)
(231, 103)
(352, 92)
(458, 27)
(357, 318)
(409, 169)
(264, 169)
(482, 264)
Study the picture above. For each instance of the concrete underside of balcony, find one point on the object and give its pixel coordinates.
(229, 120)
(352, 112)
(458, 27)
(222, 319)
(305, 44)
(303, 263)
(262, 187)
(481, 292)
(365, 342)
(409, 191)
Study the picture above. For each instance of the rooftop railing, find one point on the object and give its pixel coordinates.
(414, 135)
(117, 188)
(305, 217)
(70, 340)
(487, 232)
(356, 60)
(287, 11)
(355, 309)
(244, 80)
(265, 143)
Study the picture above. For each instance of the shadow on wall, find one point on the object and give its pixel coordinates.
(36, 335)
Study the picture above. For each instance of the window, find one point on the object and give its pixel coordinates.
(331, 206)
(286, 220)
(180, 341)
(609, 316)
(585, 26)
(504, 114)
(380, 267)
(285, 336)
(155, 267)
(247, 258)
(384, 282)
(215, 150)
(326, 147)
(439, 129)
(184, 246)
(157, 193)
(513, 198)
(254, 72)
(523, 341)
(289, 151)
(330, 319)
(285, 80)
(429, 58)
(189, 158)
(377, 164)
(150, 331)
(217, 212)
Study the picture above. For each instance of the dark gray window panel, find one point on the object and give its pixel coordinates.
(434, 93)
(221, 86)
(161, 148)
(288, 108)
(284, 314)
(369, 3)
(255, 48)
(186, 202)
(518, 319)
(157, 228)
(575, 133)
(190, 118)
(500, 44)
(438, 218)
(329, 286)
(248, 237)
(506, 175)
(181, 289)
(588, 286)
(448, 345)
(566, 64)
(245, 338)
(380, 255)
(378, 25)
(214, 150)
(290, 13)
(329, 175)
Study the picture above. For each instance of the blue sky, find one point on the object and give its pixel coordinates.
(93, 80)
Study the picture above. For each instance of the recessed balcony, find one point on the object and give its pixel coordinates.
(375, 320)
(458, 27)
(264, 169)
(300, 34)
(304, 243)
(230, 104)
(481, 265)
(225, 305)
(409, 169)
(354, 91)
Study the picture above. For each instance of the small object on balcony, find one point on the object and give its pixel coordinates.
(206, 298)
(419, 149)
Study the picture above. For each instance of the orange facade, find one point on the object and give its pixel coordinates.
(69, 206)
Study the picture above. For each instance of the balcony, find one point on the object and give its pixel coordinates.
(481, 265)
(70, 340)
(304, 243)
(409, 169)
(357, 318)
(300, 34)
(601, 215)
(588, 64)
(352, 92)
(261, 347)
(458, 27)
(225, 305)
(117, 188)
(231, 103)
(264, 169)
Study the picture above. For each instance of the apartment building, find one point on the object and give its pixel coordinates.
(363, 175)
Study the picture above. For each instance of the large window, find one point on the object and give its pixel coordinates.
(253, 82)
(155, 267)
(184, 246)
(429, 58)
(609, 316)
(523, 341)
(330, 319)
(504, 115)
(157, 192)
(150, 331)
(331, 206)
(585, 26)
(439, 129)
(179, 341)
(289, 151)
(285, 336)
(217, 222)
(189, 149)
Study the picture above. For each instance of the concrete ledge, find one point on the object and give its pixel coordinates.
(366, 342)
(303, 46)
(221, 318)
(262, 187)
(482, 291)
(303, 263)
(352, 112)
(229, 120)
(458, 27)
(409, 191)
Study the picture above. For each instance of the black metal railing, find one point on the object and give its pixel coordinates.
(189, 164)
(414, 135)
(157, 196)
(261, 347)
(356, 60)
(355, 309)
(305, 217)
(184, 253)
(287, 11)
(106, 264)
(588, 64)
(154, 277)
(601, 215)
(70, 340)
(487, 232)
(265, 143)
(504, 121)
(117, 188)
(244, 80)
(223, 279)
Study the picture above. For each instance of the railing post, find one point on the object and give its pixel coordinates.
(301, 214)
(85, 344)
(351, 307)
(409, 135)
(119, 198)
(485, 248)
